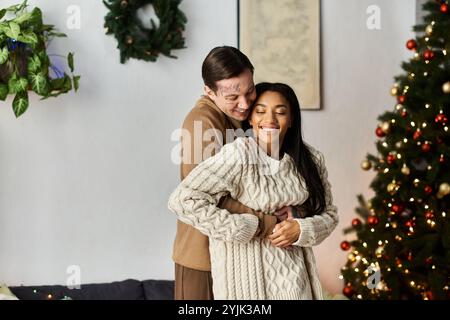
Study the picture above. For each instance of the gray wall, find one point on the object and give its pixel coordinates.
(84, 178)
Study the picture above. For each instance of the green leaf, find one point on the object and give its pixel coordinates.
(34, 64)
(76, 82)
(16, 85)
(13, 8)
(12, 83)
(3, 91)
(39, 84)
(2, 13)
(13, 31)
(36, 17)
(70, 61)
(28, 37)
(67, 86)
(47, 27)
(22, 84)
(20, 103)
(56, 34)
(4, 54)
(17, 7)
(23, 17)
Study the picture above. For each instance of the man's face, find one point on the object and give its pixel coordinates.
(234, 96)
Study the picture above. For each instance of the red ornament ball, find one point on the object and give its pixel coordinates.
(356, 222)
(411, 44)
(404, 114)
(417, 134)
(380, 133)
(372, 220)
(398, 208)
(348, 291)
(429, 215)
(345, 245)
(428, 55)
(390, 159)
(441, 118)
(444, 8)
(410, 223)
(426, 147)
(401, 99)
(429, 260)
(441, 159)
(428, 189)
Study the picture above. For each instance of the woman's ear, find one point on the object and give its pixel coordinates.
(209, 92)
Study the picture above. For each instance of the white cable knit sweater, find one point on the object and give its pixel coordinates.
(244, 267)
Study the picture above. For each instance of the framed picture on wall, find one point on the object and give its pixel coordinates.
(282, 39)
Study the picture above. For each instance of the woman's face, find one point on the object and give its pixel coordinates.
(270, 119)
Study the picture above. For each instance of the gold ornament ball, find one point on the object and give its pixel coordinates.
(444, 188)
(385, 126)
(446, 87)
(429, 30)
(123, 3)
(405, 170)
(394, 91)
(366, 165)
(379, 252)
(392, 188)
(129, 40)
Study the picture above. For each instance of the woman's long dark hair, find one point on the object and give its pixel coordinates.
(294, 146)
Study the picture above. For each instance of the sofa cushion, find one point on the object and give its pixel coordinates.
(122, 290)
(158, 289)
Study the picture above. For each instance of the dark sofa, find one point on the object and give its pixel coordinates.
(122, 290)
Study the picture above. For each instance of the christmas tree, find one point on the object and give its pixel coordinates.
(402, 244)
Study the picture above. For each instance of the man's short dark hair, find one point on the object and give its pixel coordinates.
(224, 63)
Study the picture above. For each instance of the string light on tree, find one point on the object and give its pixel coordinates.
(446, 87)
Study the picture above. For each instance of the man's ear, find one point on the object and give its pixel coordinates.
(209, 92)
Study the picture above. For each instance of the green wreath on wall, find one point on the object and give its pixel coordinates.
(136, 41)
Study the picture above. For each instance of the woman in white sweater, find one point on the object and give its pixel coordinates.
(281, 266)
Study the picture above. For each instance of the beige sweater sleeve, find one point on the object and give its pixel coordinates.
(313, 230)
(195, 201)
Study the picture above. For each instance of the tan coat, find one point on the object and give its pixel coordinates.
(191, 247)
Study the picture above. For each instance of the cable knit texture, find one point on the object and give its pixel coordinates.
(243, 266)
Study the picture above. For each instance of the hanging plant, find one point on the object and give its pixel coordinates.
(24, 62)
(138, 42)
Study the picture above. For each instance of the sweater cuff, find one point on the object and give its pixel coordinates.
(306, 238)
(250, 224)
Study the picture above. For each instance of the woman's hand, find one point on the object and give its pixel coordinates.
(285, 233)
